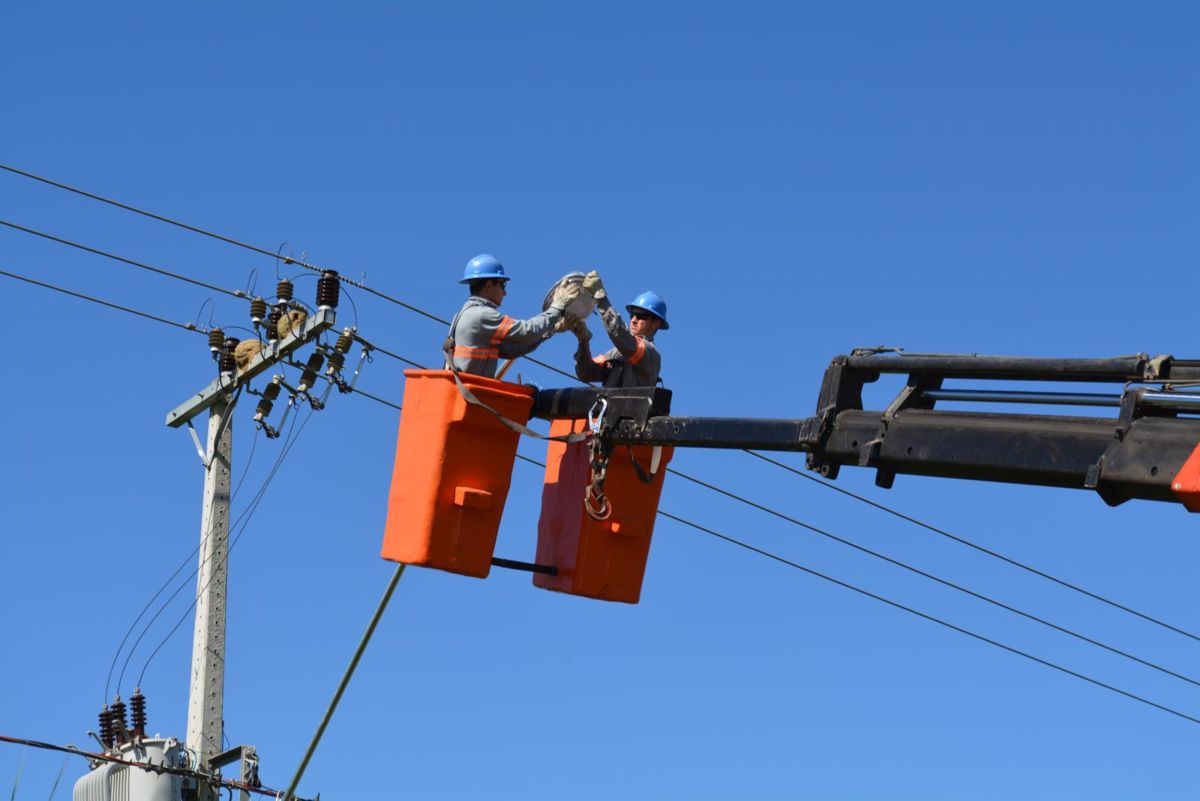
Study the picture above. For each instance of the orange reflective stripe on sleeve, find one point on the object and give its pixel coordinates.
(463, 352)
(506, 325)
(639, 353)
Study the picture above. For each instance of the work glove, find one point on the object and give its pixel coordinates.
(565, 295)
(593, 284)
(565, 323)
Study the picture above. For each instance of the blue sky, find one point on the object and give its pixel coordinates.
(797, 180)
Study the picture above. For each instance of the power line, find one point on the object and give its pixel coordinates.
(171, 578)
(910, 610)
(554, 369)
(123, 260)
(931, 618)
(248, 246)
(963, 541)
(932, 577)
(243, 520)
(944, 582)
(118, 307)
(134, 209)
(149, 768)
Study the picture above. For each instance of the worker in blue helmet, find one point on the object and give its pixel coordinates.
(633, 361)
(480, 335)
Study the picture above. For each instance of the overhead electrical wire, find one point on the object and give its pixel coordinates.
(911, 610)
(248, 246)
(117, 655)
(122, 259)
(976, 546)
(149, 768)
(933, 619)
(896, 604)
(706, 484)
(240, 525)
(925, 574)
(938, 579)
(117, 306)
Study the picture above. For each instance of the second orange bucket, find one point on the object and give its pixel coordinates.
(453, 467)
(604, 559)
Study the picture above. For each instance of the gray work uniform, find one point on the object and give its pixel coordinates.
(634, 362)
(480, 336)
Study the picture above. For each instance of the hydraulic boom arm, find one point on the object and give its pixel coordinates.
(1147, 451)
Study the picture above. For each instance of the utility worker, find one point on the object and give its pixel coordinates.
(634, 361)
(480, 335)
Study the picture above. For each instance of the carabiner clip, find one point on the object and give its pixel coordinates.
(596, 504)
(596, 418)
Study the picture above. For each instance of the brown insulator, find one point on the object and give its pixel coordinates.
(106, 727)
(216, 337)
(137, 712)
(227, 361)
(263, 409)
(344, 342)
(311, 368)
(283, 290)
(117, 713)
(258, 310)
(327, 290)
(337, 360)
(273, 321)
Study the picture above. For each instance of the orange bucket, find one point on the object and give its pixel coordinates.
(453, 467)
(604, 559)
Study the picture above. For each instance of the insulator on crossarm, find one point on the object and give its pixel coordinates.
(344, 342)
(283, 290)
(117, 713)
(337, 360)
(216, 338)
(311, 368)
(267, 401)
(258, 310)
(327, 290)
(227, 361)
(106, 727)
(273, 322)
(137, 711)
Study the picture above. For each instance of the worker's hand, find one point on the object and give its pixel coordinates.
(565, 295)
(581, 331)
(594, 286)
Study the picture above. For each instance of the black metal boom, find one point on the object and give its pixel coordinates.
(1147, 451)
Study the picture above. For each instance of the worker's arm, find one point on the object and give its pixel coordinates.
(587, 368)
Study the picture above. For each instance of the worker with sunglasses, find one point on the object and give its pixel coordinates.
(634, 360)
(480, 335)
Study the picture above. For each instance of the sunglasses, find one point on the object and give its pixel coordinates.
(642, 316)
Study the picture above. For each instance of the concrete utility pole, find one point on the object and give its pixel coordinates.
(206, 693)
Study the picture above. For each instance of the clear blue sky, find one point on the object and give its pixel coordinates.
(797, 179)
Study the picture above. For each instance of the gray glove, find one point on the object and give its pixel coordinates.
(593, 284)
(565, 295)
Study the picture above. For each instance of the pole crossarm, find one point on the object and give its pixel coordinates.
(317, 323)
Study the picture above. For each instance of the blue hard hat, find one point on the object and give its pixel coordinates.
(653, 303)
(482, 267)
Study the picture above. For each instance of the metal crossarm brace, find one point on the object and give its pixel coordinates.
(320, 321)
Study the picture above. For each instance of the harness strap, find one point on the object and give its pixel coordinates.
(655, 459)
(525, 430)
